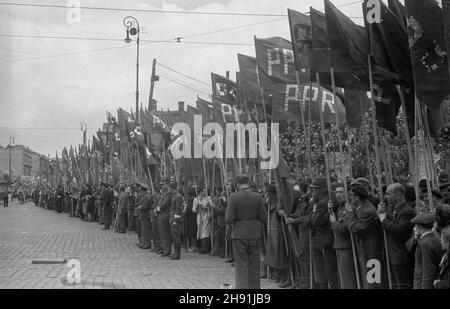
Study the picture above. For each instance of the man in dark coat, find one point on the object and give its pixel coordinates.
(276, 257)
(324, 257)
(175, 221)
(144, 216)
(361, 220)
(428, 252)
(298, 218)
(163, 212)
(156, 242)
(122, 209)
(342, 243)
(245, 212)
(140, 193)
(107, 198)
(59, 198)
(396, 222)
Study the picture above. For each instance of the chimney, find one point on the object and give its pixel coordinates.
(227, 74)
(181, 106)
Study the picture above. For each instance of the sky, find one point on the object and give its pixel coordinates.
(49, 86)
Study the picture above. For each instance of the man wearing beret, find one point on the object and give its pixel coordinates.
(428, 252)
(324, 257)
(362, 220)
(396, 221)
(245, 212)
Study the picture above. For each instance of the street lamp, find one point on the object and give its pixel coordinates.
(134, 29)
(83, 126)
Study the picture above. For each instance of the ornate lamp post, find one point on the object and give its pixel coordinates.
(134, 29)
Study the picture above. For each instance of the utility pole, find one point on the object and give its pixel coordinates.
(11, 143)
(154, 78)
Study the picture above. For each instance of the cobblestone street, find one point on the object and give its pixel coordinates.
(108, 260)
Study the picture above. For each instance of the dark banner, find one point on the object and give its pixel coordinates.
(428, 51)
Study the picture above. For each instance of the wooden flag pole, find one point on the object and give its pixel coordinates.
(302, 115)
(344, 180)
(408, 143)
(424, 147)
(378, 166)
(429, 142)
(322, 126)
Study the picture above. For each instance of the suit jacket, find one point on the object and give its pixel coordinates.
(398, 229)
(341, 233)
(176, 208)
(107, 198)
(123, 201)
(427, 259)
(246, 213)
(164, 205)
(444, 274)
(319, 224)
(363, 222)
(146, 204)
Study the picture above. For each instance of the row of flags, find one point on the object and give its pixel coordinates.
(331, 66)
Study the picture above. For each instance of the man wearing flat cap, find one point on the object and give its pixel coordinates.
(428, 252)
(246, 214)
(324, 257)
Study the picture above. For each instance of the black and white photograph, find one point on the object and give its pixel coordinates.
(195, 145)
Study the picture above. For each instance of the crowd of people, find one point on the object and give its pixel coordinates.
(359, 238)
(165, 217)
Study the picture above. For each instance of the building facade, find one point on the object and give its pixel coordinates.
(22, 161)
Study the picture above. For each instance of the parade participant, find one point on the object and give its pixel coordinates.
(175, 220)
(445, 189)
(219, 206)
(342, 243)
(324, 257)
(138, 202)
(443, 279)
(442, 216)
(362, 220)
(428, 252)
(156, 242)
(297, 219)
(163, 212)
(245, 213)
(90, 209)
(131, 224)
(75, 197)
(107, 205)
(201, 206)
(59, 199)
(191, 221)
(98, 206)
(144, 217)
(276, 256)
(122, 209)
(396, 221)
